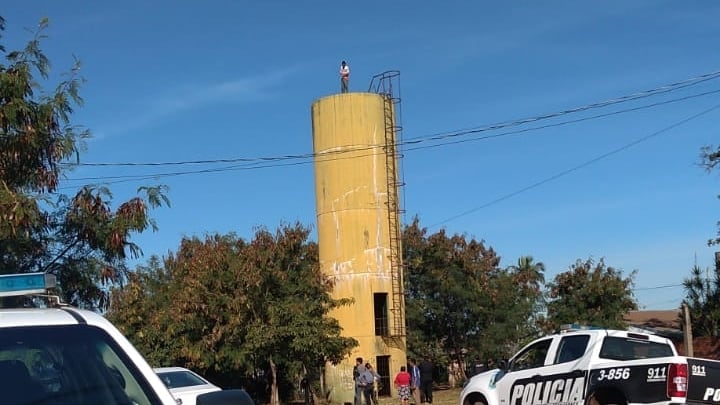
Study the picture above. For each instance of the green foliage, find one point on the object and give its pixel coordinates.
(703, 300)
(590, 293)
(459, 300)
(228, 307)
(79, 238)
(138, 309)
(710, 158)
(516, 320)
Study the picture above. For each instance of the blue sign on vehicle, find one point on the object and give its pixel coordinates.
(26, 283)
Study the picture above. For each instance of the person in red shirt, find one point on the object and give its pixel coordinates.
(402, 383)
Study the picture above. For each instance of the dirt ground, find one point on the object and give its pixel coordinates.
(440, 397)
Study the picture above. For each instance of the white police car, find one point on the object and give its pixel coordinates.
(58, 354)
(595, 366)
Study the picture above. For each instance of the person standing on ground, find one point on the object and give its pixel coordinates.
(358, 370)
(414, 381)
(376, 383)
(402, 383)
(344, 77)
(426, 379)
(367, 383)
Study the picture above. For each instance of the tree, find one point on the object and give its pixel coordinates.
(459, 301)
(139, 308)
(590, 293)
(81, 239)
(530, 277)
(703, 301)
(447, 293)
(710, 158)
(526, 302)
(229, 307)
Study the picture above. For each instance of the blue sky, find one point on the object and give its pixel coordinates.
(178, 81)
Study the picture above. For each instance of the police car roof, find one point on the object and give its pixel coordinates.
(14, 317)
(631, 333)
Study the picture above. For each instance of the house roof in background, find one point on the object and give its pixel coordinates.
(669, 319)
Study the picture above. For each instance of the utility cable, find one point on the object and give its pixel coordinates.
(635, 96)
(578, 167)
(563, 123)
(442, 135)
(376, 150)
(658, 287)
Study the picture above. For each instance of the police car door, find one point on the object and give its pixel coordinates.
(560, 379)
(516, 387)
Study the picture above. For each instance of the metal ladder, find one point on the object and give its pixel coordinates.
(383, 84)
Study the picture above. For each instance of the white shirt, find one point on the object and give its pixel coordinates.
(345, 71)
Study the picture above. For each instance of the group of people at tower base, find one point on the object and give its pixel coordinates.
(414, 381)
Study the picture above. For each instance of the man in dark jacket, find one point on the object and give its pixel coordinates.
(427, 368)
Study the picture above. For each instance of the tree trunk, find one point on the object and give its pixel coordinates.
(274, 394)
(323, 392)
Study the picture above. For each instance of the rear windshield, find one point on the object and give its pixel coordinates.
(619, 348)
(176, 379)
(70, 364)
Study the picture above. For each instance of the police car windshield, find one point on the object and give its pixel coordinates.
(68, 364)
(619, 348)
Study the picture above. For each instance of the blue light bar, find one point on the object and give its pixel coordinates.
(25, 283)
(574, 327)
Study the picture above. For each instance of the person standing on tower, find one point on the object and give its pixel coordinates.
(344, 77)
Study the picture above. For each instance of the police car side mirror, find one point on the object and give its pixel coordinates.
(503, 365)
(225, 397)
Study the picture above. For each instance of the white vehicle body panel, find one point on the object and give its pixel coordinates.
(28, 317)
(566, 378)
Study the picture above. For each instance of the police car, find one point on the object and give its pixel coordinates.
(51, 353)
(593, 366)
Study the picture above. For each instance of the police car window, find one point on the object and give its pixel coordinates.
(532, 357)
(619, 348)
(571, 348)
(175, 379)
(68, 364)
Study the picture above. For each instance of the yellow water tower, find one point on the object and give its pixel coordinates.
(358, 222)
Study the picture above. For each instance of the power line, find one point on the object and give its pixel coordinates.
(442, 135)
(635, 96)
(268, 162)
(129, 178)
(657, 287)
(578, 167)
(563, 123)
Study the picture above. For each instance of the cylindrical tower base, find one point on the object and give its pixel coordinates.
(351, 186)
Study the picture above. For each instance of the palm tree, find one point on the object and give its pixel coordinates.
(530, 277)
(533, 274)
